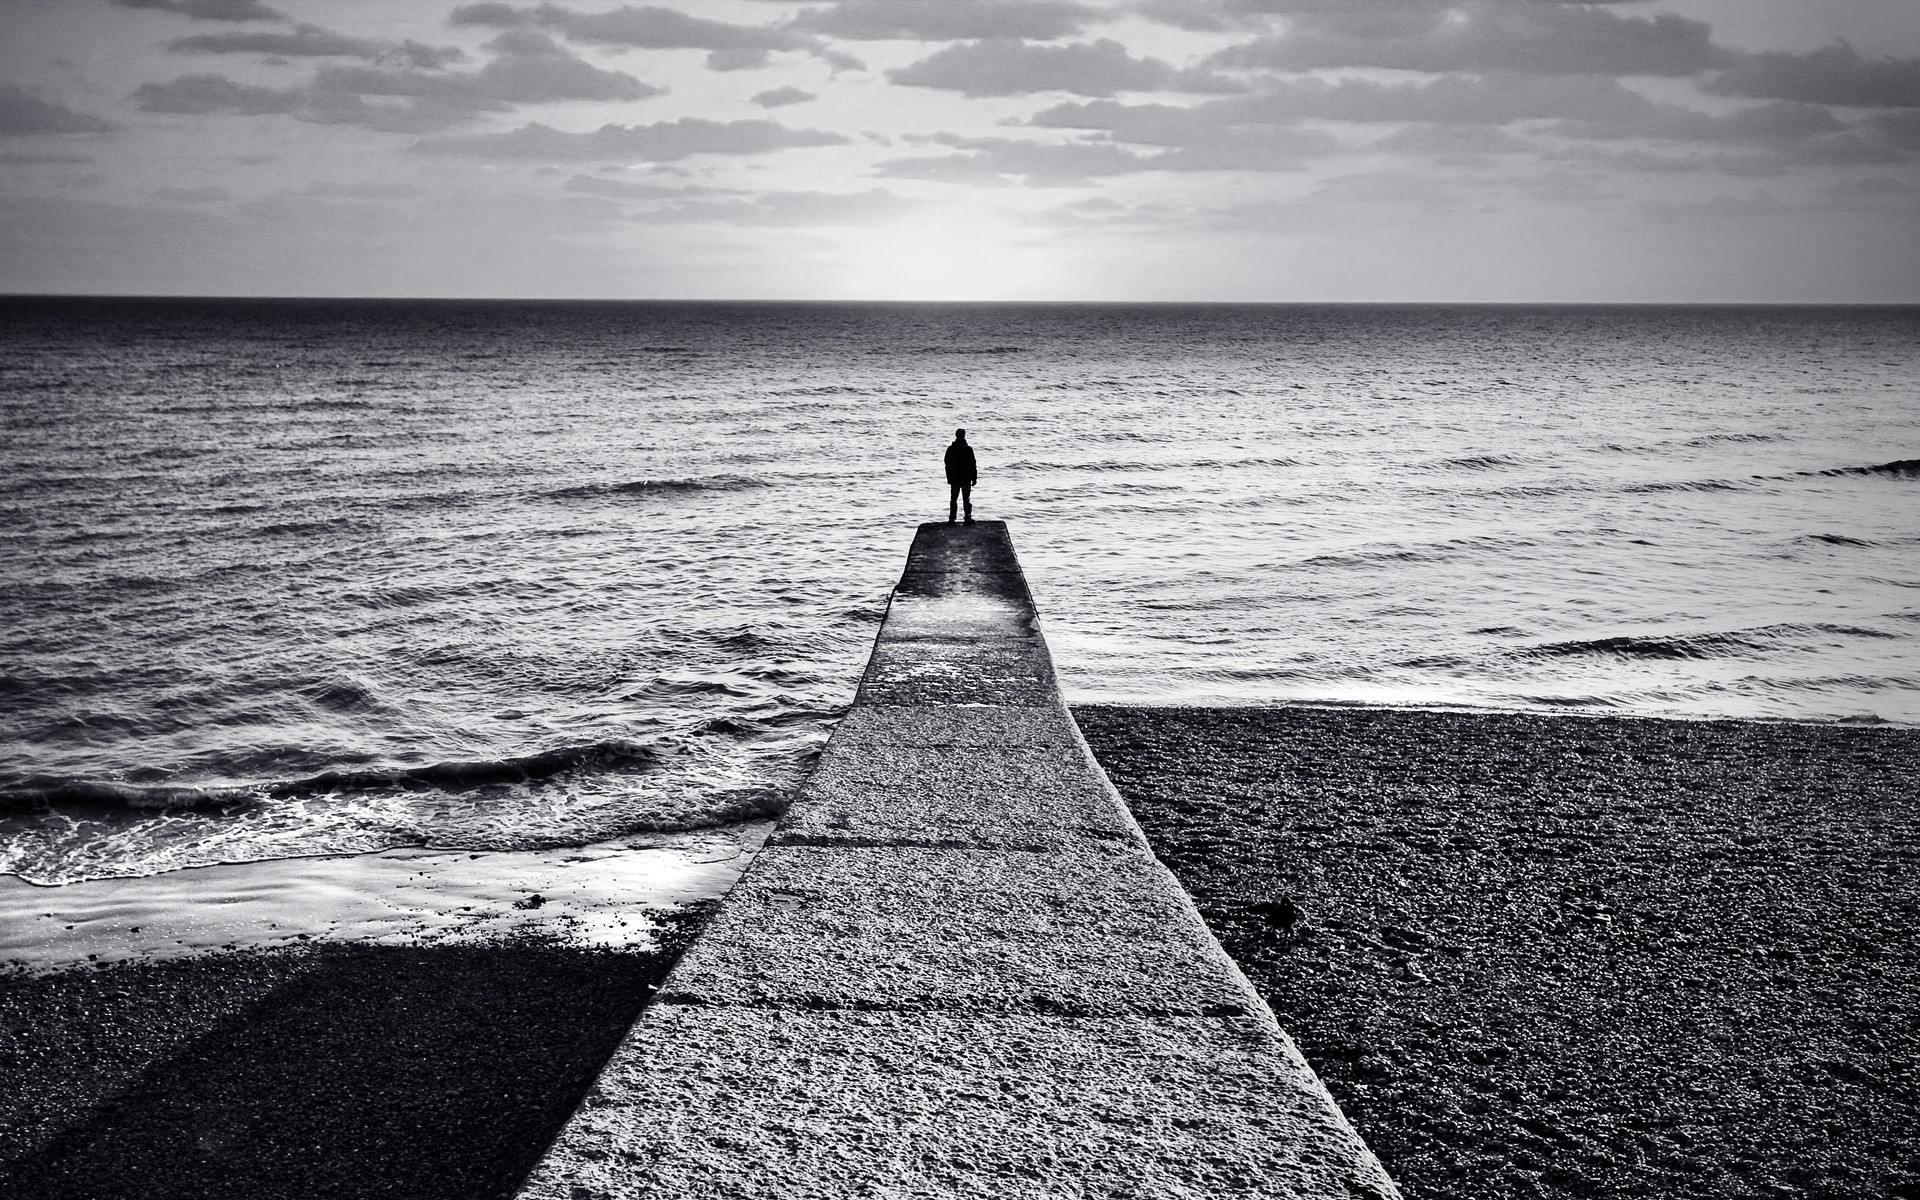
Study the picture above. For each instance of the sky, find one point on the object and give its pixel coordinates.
(1189, 150)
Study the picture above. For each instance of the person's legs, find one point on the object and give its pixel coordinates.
(953, 502)
(966, 494)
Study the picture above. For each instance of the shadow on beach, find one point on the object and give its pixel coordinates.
(329, 1070)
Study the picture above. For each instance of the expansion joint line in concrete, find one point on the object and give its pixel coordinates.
(948, 1004)
(956, 969)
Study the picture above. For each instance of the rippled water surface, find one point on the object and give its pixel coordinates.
(307, 577)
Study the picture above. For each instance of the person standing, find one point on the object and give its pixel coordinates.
(962, 474)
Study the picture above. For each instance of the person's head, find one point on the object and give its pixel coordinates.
(959, 435)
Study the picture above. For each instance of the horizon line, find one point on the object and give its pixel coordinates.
(498, 299)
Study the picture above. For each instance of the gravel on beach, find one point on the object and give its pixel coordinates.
(1539, 956)
(1532, 957)
(328, 1070)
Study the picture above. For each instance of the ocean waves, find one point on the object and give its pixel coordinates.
(661, 487)
(59, 830)
(419, 581)
(1765, 640)
(614, 755)
(1903, 469)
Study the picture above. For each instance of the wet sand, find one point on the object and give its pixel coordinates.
(341, 1069)
(1567, 957)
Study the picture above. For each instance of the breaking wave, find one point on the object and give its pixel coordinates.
(1689, 485)
(1899, 468)
(662, 487)
(1838, 539)
(1480, 462)
(1698, 645)
(1712, 439)
(603, 757)
(953, 350)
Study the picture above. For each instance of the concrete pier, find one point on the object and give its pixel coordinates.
(957, 970)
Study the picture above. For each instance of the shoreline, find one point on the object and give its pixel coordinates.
(1545, 712)
(597, 894)
(1518, 1020)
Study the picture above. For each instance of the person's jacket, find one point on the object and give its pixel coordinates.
(961, 471)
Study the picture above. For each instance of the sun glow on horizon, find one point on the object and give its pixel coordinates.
(952, 253)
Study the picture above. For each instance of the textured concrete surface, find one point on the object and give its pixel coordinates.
(956, 970)
(978, 727)
(1000, 673)
(1017, 798)
(1100, 932)
(741, 1103)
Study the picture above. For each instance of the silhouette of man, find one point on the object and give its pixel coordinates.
(962, 474)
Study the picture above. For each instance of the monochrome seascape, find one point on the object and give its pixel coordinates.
(507, 614)
(321, 577)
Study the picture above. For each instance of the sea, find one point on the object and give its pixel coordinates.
(294, 580)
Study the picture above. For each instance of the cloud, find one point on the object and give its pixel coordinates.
(620, 189)
(22, 113)
(1722, 206)
(1449, 100)
(501, 210)
(209, 10)
(1779, 123)
(1343, 200)
(780, 97)
(991, 161)
(1183, 14)
(1835, 74)
(529, 68)
(469, 243)
(1452, 141)
(1875, 193)
(201, 95)
(327, 190)
(1589, 155)
(1097, 212)
(1252, 149)
(792, 210)
(1345, 204)
(1010, 67)
(304, 41)
(1886, 137)
(493, 14)
(1901, 129)
(1487, 35)
(420, 55)
(665, 141)
(192, 195)
(1769, 139)
(731, 47)
(311, 41)
(1217, 16)
(1251, 130)
(947, 20)
(198, 94)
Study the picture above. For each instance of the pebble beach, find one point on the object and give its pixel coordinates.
(334, 1069)
(1564, 956)
(1531, 956)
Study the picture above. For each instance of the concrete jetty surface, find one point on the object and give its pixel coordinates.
(957, 970)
